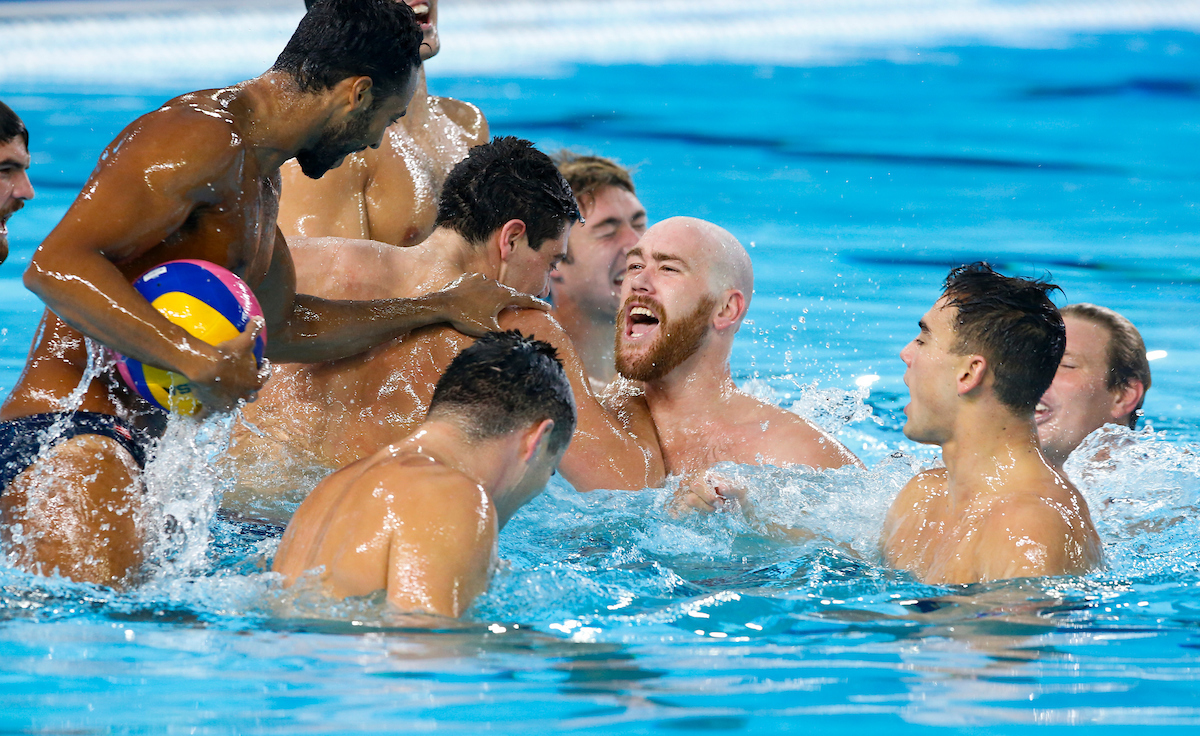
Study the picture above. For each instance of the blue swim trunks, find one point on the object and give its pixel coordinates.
(24, 438)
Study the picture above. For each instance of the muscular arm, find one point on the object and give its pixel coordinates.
(149, 182)
(442, 555)
(309, 329)
(604, 452)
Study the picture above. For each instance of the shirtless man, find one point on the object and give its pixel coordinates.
(420, 517)
(15, 188)
(1102, 379)
(986, 352)
(197, 178)
(389, 194)
(586, 287)
(505, 213)
(687, 288)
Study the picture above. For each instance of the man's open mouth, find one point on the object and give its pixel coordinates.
(1041, 413)
(421, 10)
(640, 320)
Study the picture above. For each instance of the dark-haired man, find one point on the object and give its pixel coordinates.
(389, 193)
(686, 291)
(586, 287)
(505, 212)
(1102, 379)
(197, 178)
(420, 517)
(986, 352)
(15, 188)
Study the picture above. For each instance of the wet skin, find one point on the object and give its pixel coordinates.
(15, 188)
(1079, 401)
(586, 288)
(687, 269)
(334, 413)
(419, 518)
(998, 509)
(388, 194)
(197, 178)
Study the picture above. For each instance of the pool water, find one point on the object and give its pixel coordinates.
(856, 187)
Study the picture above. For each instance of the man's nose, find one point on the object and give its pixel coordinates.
(24, 188)
(637, 281)
(906, 355)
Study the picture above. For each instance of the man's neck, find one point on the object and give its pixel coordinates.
(278, 120)
(446, 256)
(592, 335)
(420, 109)
(993, 452)
(446, 443)
(697, 390)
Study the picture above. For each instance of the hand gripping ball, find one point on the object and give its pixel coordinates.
(208, 301)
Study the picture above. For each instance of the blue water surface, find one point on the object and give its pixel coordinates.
(856, 188)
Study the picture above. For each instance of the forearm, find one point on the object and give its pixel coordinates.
(324, 329)
(612, 460)
(91, 295)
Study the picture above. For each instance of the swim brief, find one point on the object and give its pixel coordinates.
(24, 438)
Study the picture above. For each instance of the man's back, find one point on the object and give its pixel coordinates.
(337, 412)
(1033, 523)
(399, 513)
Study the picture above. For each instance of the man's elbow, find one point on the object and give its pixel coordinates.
(38, 280)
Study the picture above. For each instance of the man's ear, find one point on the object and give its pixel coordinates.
(1126, 398)
(537, 438)
(512, 235)
(732, 310)
(362, 91)
(971, 373)
(353, 95)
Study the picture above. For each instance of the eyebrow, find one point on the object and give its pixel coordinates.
(924, 327)
(612, 221)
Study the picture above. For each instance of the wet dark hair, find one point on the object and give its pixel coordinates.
(1013, 324)
(505, 382)
(337, 39)
(11, 126)
(507, 179)
(1126, 352)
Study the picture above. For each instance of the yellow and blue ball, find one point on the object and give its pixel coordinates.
(208, 301)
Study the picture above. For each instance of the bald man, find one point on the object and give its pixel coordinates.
(687, 287)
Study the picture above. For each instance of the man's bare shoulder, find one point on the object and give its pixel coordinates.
(538, 324)
(197, 137)
(418, 484)
(1035, 535)
(921, 488)
(468, 117)
(792, 438)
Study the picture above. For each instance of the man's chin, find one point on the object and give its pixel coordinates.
(430, 44)
(315, 169)
(3, 249)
